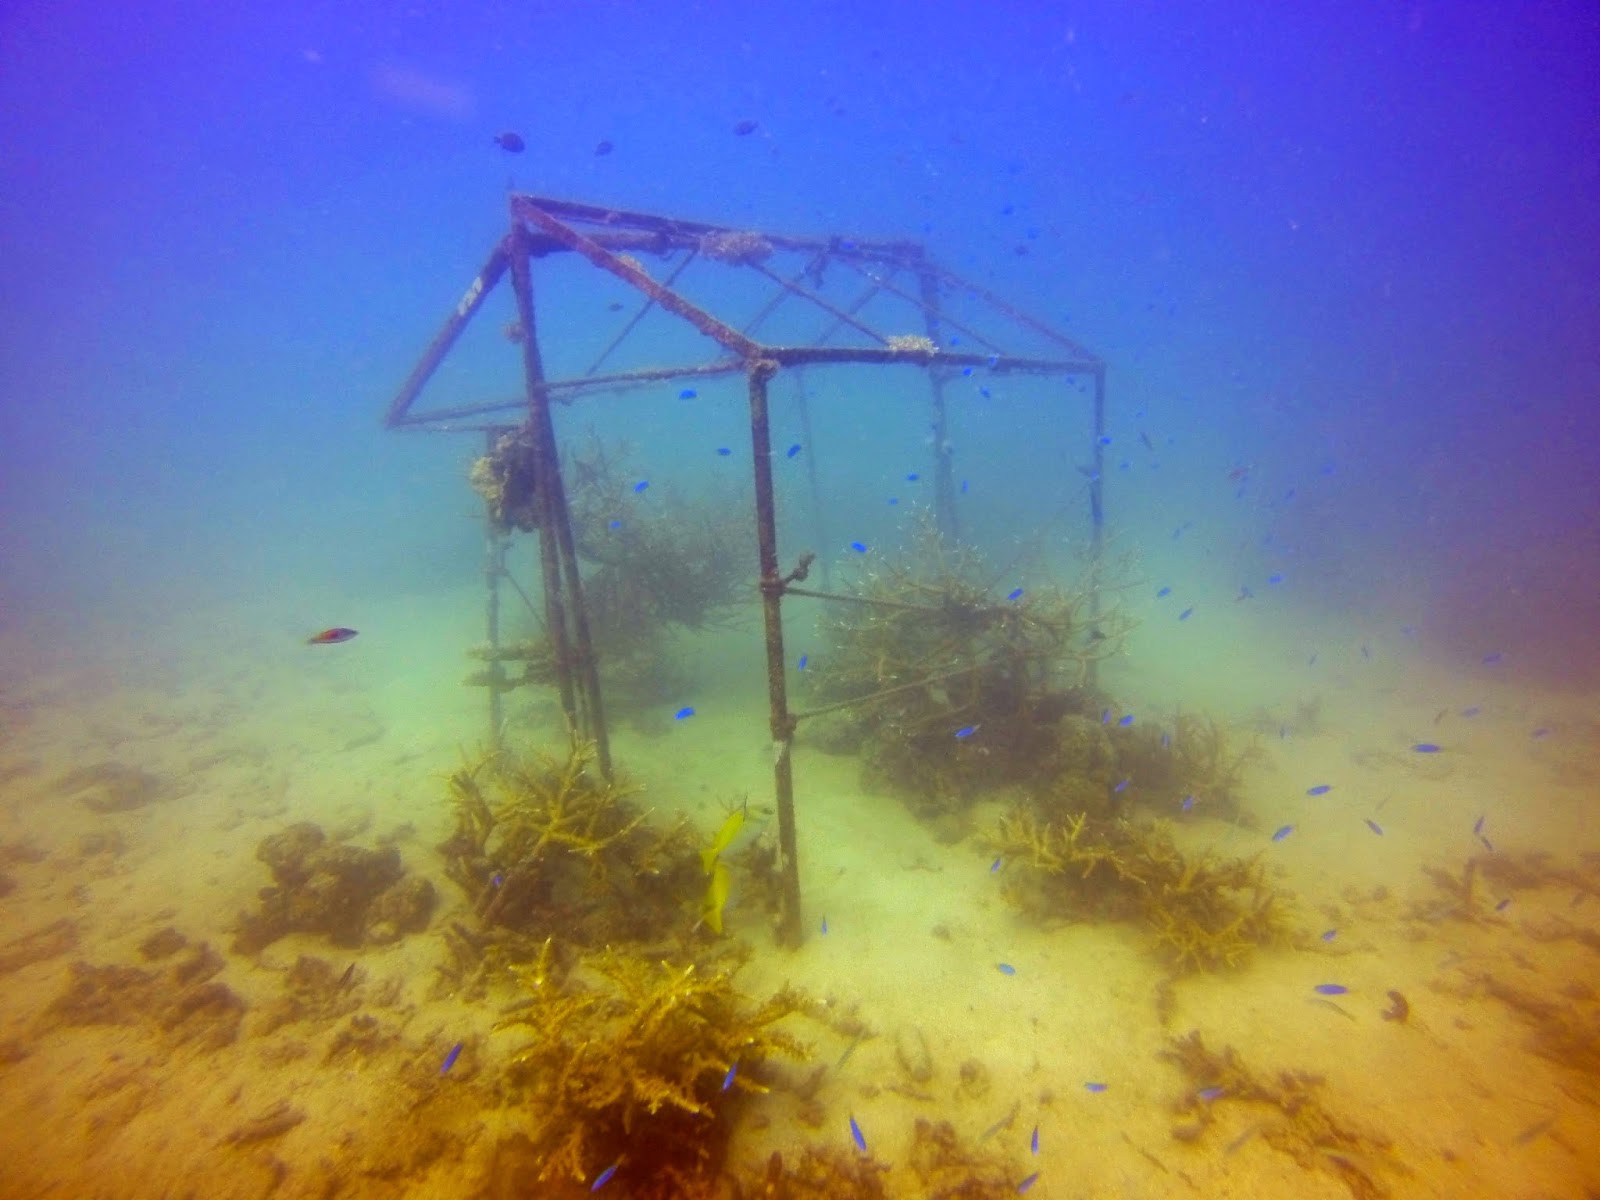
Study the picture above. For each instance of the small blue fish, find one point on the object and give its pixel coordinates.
(640, 486)
(1283, 833)
(1005, 968)
(1016, 595)
(1330, 989)
(963, 487)
(1123, 785)
(1501, 907)
(856, 1135)
(792, 450)
(1208, 1094)
(984, 392)
(858, 547)
(966, 731)
(1275, 577)
(1477, 826)
(1126, 721)
(1186, 614)
(687, 394)
(966, 370)
(1471, 712)
(497, 879)
(1094, 1087)
(724, 451)
(1321, 789)
(1490, 659)
(913, 477)
(1033, 1142)
(683, 713)
(1105, 716)
(1163, 593)
(1487, 844)
(1188, 802)
(1329, 934)
(824, 924)
(801, 665)
(994, 866)
(616, 525)
(450, 1059)
(1312, 661)
(1426, 748)
(1027, 1183)
(1374, 826)
(1166, 740)
(727, 1080)
(1541, 732)
(605, 1176)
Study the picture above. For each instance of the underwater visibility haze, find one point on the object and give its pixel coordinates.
(800, 600)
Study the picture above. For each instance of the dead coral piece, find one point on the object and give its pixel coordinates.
(37, 945)
(632, 1060)
(352, 894)
(275, 1122)
(112, 787)
(822, 1173)
(1202, 912)
(180, 1002)
(313, 990)
(949, 1170)
(163, 943)
(735, 246)
(1311, 1135)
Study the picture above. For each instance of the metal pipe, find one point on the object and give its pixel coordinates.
(761, 372)
(1097, 510)
(944, 487)
(547, 477)
(494, 568)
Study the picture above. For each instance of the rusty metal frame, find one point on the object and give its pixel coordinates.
(608, 238)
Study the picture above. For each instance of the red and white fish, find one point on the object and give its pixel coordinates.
(329, 636)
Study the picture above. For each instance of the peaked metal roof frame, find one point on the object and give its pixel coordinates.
(609, 238)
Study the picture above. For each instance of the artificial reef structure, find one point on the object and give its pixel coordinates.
(769, 306)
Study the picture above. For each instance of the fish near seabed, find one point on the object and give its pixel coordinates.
(725, 836)
(715, 899)
(329, 637)
(510, 141)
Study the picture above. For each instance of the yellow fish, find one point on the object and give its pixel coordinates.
(724, 839)
(715, 899)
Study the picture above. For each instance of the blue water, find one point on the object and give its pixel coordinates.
(1341, 265)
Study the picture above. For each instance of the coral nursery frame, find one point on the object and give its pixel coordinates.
(896, 275)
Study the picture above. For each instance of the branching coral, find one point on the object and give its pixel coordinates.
(1202, 912)
(632, 1064)
(550, 845)
(1310, 1133)
(925, 649)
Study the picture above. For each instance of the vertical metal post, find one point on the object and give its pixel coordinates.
(1097, 510)
(944, 487)
(760, 372)
(571, 644)
(494, 566)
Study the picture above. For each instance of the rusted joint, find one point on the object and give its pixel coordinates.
(777, 585)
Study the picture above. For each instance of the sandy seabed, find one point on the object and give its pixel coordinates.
(217, 738)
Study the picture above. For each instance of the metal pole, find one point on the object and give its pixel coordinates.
(547, 477)
(576, 667)
(944, 488)
(761, 372)
(494, 566)
(1097, 509)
